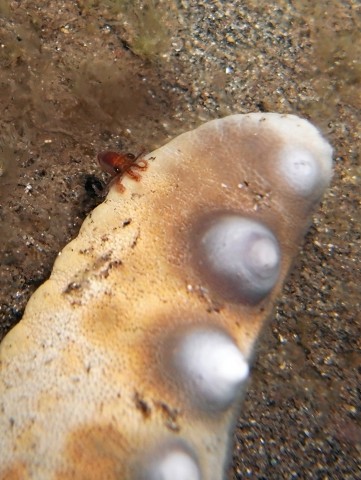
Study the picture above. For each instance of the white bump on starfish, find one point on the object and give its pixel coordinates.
(242, 256)
(175, 464)
(301, 170)
(213, 366)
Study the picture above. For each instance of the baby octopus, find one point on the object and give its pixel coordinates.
(118, 164)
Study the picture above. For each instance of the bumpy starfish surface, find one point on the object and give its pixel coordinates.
(131, 360)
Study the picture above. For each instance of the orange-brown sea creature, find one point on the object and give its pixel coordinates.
(132, 359)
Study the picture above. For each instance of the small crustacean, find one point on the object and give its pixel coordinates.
(118, 164)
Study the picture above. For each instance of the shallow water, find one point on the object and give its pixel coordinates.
(74, 82)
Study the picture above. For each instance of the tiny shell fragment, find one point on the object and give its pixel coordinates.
(132, 359)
